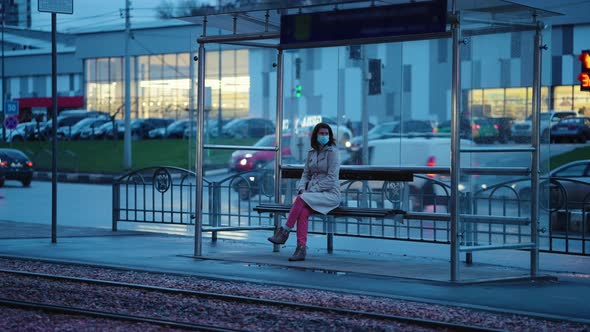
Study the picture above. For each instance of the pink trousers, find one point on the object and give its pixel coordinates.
(299, 214)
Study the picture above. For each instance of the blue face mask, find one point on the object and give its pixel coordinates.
(323, 140)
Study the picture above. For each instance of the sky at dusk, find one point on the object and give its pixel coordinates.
(97, 13)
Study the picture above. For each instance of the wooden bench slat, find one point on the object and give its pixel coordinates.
(355, 172)
(339, 211)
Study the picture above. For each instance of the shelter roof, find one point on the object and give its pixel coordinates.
(264, 15)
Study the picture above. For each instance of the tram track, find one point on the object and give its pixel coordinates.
(68, 310)
(229, 299)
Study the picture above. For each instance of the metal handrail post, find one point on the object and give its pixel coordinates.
(278, 139)
(536, 140)
(116, 205)
(199, 147)
(455, 145)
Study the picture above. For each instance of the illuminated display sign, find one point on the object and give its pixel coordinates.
(584, 76)
(372, 22)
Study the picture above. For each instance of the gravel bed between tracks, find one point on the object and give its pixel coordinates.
(168, 306)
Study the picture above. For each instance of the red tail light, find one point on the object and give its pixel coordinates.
(29, 163)
(3, 164)
(496, 126)
(431, 163)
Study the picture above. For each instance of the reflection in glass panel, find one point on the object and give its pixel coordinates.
(90, 71)
(102, 69)
(581, 101)
(230, 88)
(563, 97)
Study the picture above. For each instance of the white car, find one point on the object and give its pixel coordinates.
(23, 132)
(421, 153)
(521, 132)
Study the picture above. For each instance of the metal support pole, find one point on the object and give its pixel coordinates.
(127, 139)
(54, 130)
(455, 145)
(219, 100)
(536, 142)
(199, 149)
(278, 139)
(3, 73)
(191, 103)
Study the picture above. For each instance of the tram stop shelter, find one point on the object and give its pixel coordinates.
(372, 48)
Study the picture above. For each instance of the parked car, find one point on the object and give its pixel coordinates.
(106, 130)
(174, 130)
(248, 128)
(141, 127)
(480, 130)
(484, 130)
(574, 177)
(74, 132)
(15, 165)
(521, 132)
(211, 130)
(503, 125)
(68, 119)
(23, 132)
(88, 128)
(571, 129)
(246, 160)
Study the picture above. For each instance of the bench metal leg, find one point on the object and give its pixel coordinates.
(330, 221)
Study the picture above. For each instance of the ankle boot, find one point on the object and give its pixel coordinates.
(280, 237)
(299, 254)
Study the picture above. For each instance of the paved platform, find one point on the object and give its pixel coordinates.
(405, 270)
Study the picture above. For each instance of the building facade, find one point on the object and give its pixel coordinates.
(240, 81)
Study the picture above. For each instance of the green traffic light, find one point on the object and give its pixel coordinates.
(298, 91)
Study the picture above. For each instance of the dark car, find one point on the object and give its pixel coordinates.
(571, 129)
(503, 124)
(258, 181)
(15, 165)
(174, 130)
(248, 128)
(567, 185)
(141, 127)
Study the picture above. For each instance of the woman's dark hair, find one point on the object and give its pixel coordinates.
(314, 136)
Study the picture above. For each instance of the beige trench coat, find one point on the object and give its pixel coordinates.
(320, 179)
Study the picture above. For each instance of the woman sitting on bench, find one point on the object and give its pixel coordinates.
(318, 189)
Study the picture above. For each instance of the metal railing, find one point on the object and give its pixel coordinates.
(494, 217)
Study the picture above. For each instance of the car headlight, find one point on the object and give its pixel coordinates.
(248, 155)
(347, 144)
(243, 162)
